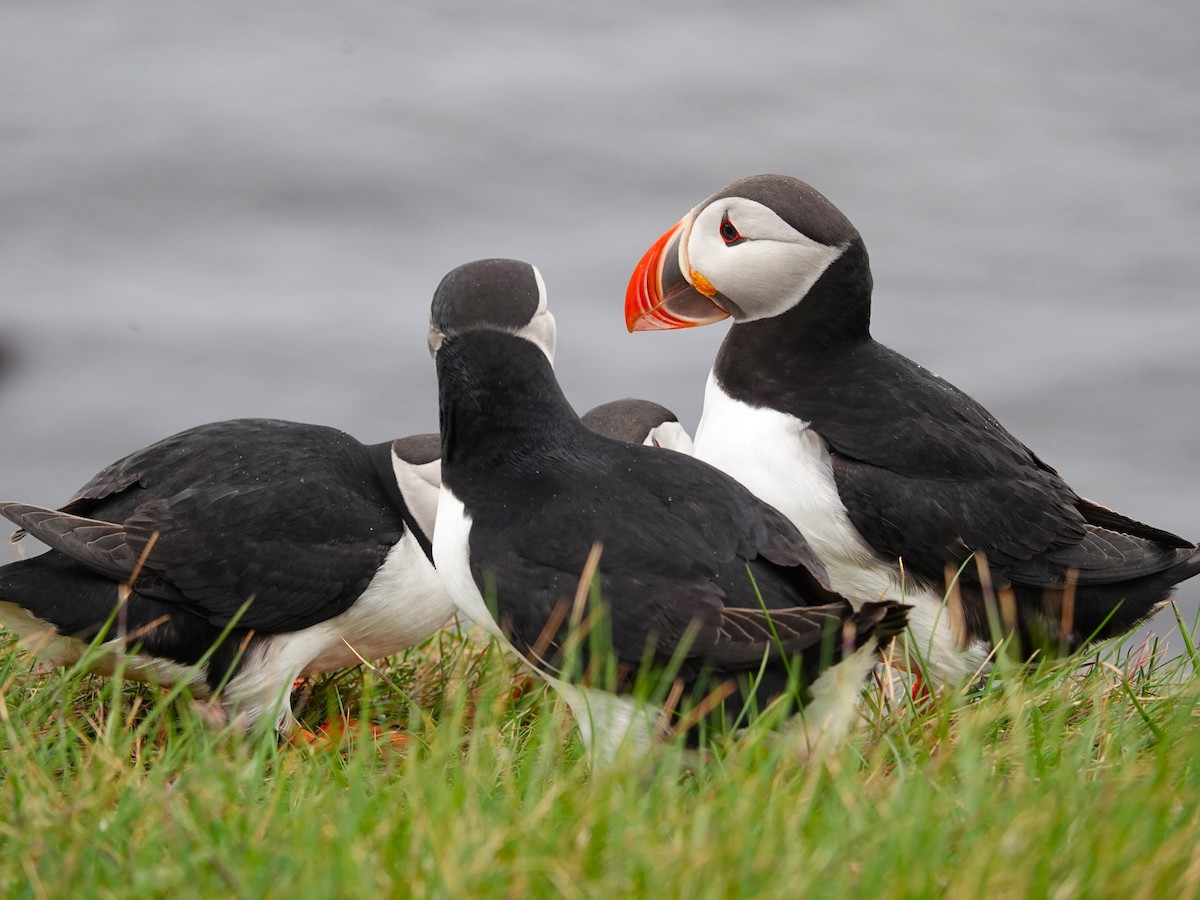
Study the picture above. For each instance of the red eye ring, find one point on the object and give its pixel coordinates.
(729, 233)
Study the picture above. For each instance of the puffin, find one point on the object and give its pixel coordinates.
(903, 484)
(235, 557)
(546, 529)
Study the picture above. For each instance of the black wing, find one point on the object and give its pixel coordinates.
(289, 517)
(933, 477)
(677, 537)
(250, 450)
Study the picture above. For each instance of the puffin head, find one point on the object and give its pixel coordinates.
(752, 250)
(639, 422)
(492, 295)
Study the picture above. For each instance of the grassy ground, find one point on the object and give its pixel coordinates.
(1080, 781)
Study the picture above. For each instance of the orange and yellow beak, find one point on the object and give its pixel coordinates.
(664, 292)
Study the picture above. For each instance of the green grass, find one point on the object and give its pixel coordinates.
(1075, 781)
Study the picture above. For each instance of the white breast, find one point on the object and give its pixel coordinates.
(419, 487)
(784, 462)
(452, 556)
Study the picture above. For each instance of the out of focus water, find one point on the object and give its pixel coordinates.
(230, 209)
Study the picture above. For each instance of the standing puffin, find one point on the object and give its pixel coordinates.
(528, 491)
(311, 549)
(897, 478)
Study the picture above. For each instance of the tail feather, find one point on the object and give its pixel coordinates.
(1121, 607)
(101, 546)
(1189, 568)
(1063, 621)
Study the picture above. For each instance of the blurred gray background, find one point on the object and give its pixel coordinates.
(230, 209)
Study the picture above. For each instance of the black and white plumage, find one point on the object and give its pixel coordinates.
(878, 461)
(324, 541)
(527, 490)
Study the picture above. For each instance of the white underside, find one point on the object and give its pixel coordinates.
(606, 720)
(451, 556)
(784, 462)
(403, 605)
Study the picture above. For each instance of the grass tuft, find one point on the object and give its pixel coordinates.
(461, 775)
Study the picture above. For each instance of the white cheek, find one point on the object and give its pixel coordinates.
(670, 436)
(767, 273)
(707, 252)
(766, 278)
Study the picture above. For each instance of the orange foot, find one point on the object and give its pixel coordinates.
(335, 733)
(521, 685)
(921, 694)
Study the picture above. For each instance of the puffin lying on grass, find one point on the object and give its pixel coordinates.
(903, 485)
(694, 576)
(244, 554)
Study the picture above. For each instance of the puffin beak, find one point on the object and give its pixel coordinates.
(664, 292)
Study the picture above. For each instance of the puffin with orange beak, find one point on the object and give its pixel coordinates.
(903, 485)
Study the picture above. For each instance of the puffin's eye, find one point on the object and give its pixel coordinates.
(729, 233)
